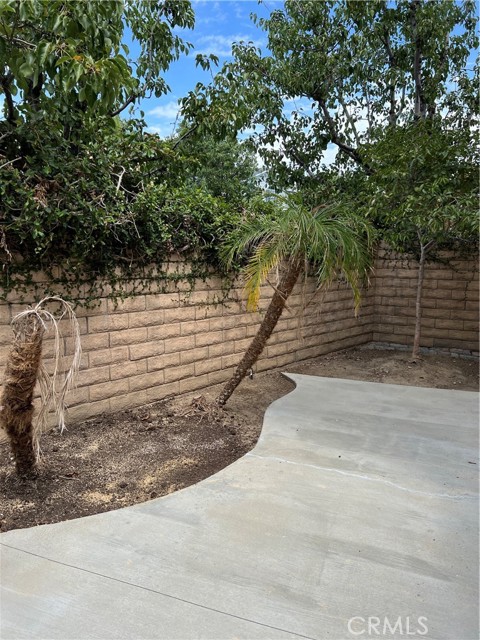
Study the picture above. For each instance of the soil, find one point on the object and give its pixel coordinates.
(118, 460)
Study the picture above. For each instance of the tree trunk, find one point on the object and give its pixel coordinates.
(418, 303)
(16, 411)
(392, 114)
(269, 322)
(420, 107)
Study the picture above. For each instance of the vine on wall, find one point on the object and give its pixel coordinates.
(105, 218)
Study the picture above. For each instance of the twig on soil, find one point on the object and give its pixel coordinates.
(201, 407)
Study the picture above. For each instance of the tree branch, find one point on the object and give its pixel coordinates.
(131, 99)
(303, 164)
(392, 115)
(420, 106)
(5, 164)
(32, 95)
(369, 111)
(23, 43)
(336, 137)
(120, 179)
(349, 118)
(5, 135)
(185, 136)
(5, 82)
(388, 47)
(402, 101)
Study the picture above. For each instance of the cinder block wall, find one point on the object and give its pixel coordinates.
(450, 317)
(150, 346)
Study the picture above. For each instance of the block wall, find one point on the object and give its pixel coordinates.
(150, 346)
(450, 317)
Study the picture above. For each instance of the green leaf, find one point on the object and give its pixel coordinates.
(63, 60)
(43, 51)
(79, 70)
(26, 70)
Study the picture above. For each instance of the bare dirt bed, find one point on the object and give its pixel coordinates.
(114, 461)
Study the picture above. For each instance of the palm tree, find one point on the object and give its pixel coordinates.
(295, 239)
(25, 369)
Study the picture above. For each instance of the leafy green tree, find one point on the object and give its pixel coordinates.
(65, 74)
(427, 200)
(386, 84)
(294, 238)
(225, 168)
(336, 73)
(69, 56)
(101, 213)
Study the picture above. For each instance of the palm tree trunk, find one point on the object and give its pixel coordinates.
(16, 412)
(269, 322)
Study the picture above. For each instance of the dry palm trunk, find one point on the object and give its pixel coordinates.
(269, 322)
(16, 413)
(24, 369)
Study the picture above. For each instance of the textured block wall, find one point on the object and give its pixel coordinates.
(151, 346)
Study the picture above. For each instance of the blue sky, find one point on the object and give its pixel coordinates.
(218, 23)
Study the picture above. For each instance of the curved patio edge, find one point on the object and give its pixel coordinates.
(359, 499)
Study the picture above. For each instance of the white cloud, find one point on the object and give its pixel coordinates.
(164, 131)
(330, 154)
(299, 104)
(208, 12)
(167, 110)
(163, 118)
(221, 45)
(249, 131)
(239, 13)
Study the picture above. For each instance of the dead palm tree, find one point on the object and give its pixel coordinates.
(326, 240)
(24, 369)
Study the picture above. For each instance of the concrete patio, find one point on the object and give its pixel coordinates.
(356, 515)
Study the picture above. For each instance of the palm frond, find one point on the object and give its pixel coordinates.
(332, 240)
(248, 235)
(341, 245)
(267, 256)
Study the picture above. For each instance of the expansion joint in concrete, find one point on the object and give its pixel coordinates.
(160, 593)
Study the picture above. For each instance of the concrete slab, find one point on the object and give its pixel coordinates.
(359, 501)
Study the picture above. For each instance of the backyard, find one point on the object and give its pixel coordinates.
(200, 203)
(117, 460)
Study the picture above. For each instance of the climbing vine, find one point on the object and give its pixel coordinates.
(96, 217)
